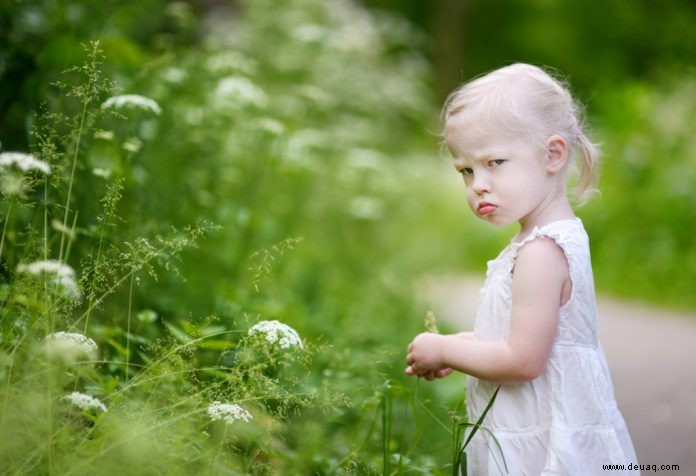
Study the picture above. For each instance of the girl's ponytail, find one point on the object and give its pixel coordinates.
(589, 161)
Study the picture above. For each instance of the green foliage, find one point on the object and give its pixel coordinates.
(642, 224)
(292, 146)
(627, 41)
(156, 389)
(40, 39)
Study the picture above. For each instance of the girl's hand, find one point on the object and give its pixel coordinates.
(432, 375)
(424, 356)
(435, 374)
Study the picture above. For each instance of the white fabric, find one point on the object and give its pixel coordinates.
(564, 422)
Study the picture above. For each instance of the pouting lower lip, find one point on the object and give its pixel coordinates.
(486, 208)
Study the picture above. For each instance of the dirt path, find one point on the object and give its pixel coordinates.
(652, 356)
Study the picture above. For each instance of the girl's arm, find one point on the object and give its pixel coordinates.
(540, 283)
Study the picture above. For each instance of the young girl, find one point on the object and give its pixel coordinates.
(513, 134)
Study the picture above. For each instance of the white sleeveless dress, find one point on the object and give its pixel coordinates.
(564, 422)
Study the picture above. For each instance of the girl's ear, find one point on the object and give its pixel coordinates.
(556, 154)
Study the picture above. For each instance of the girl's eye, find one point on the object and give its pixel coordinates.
(467, 171)
(496, 162)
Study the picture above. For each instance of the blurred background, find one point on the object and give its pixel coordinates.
(319, 119)
(632, 66)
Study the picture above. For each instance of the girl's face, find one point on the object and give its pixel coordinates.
(506, 179)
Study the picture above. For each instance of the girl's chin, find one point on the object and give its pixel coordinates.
(496, 220)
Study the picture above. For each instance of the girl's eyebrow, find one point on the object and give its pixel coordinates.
(484, 157)
(461, 163)
(469, 159)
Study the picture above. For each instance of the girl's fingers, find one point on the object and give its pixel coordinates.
(444, 372)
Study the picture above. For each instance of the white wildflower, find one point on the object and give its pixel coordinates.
(303, 144)
(84, 401)
(69, 286)
(366, 208)
(174, 75)
(132, 100)
(70, 346)
(24, 161)
(64, 274)
(358, 34)
(132, 145)
(276, 332)
(270, 125)
(230, 61)
(366, 159)
(316, 95)
(101, 172)
(49, 266)
(104, 135)
(229, 412)
(239, 90)
(309, 33)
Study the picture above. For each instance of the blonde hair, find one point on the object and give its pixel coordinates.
(526, 100)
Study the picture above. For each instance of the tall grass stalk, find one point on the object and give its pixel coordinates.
(45, 244)
(4, 227)
(88, 93)
(386, 427)
(113, 195)
(71, 235)
(128, 324)
(83, 114)
(45, 221)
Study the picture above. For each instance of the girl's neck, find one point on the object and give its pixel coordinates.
(555, 210)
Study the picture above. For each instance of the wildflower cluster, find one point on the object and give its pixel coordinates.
(228, 412)
(47, 266)
(24, 161)
(85, 402)
(69, 346)
(132, 100)
(275, 332)
(234, 90)
(64, 275)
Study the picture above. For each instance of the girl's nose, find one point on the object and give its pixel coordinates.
(481, 184)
